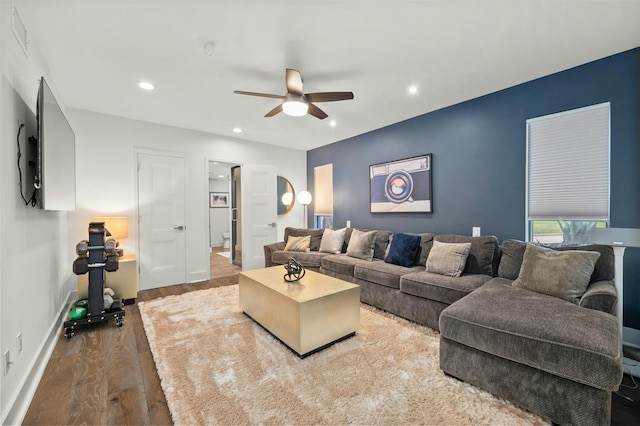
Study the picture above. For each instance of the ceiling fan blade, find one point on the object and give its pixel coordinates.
(329, 96)
(274, 111)
(263, 95)
(294, 82)
(316, 112)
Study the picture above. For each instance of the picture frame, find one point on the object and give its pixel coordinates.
(401, 186)
(218, 200)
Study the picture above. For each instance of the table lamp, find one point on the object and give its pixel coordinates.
(117, 227)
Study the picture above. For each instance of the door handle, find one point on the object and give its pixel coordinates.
(179, 228)
(272, 224)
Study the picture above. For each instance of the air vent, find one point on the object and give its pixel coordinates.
(19, 30)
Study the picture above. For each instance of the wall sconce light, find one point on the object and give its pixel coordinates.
(304, 198)
(287, 198)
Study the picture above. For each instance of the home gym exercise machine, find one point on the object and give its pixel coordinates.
(95, 256)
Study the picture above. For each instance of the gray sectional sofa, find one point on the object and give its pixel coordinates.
(557, 358)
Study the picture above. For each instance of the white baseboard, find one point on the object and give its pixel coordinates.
(19, 403)
(198, 276)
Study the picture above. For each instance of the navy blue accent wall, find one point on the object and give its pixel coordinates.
(478, 149)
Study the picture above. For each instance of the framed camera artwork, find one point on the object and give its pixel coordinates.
(401, 186)
(218, 199)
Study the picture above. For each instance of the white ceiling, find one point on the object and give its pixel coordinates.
(97, 51)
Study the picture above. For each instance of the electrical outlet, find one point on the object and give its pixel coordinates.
(19, 343)
(475, 231)
(6, 361)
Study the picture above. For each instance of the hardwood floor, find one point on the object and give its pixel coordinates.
(106, 375)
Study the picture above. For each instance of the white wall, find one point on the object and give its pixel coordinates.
(105, 168)
(37, 247)
(36, 256)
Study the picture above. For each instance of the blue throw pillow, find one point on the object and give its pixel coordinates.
(404, 249)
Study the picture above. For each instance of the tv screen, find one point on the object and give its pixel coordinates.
(56, 173)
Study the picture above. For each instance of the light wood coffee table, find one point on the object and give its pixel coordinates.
(307, 316)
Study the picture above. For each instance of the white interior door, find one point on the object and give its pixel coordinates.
(161, 220)
(259, 213)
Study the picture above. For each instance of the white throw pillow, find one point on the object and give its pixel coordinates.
(362, 244)
(332, 240)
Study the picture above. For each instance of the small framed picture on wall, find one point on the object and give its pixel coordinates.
(218, 199)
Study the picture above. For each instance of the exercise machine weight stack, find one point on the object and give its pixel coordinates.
(95, 256)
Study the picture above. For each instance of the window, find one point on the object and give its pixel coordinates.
(323, 189)
(568, 175)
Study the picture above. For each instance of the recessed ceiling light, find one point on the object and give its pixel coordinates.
(413, 89)
(145, 85)
(208, 47)
(333, 123)
(237, 130)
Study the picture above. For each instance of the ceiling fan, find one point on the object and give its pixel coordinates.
(297, 103)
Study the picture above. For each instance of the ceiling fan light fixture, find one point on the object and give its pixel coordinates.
(295, 108)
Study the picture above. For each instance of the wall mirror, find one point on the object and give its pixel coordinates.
(286, 196)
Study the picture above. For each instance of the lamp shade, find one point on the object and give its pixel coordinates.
(118, 227)
(304, 198)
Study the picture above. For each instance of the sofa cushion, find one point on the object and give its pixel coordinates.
(448, 258)
(382, 273)
(605, 266)
(332, 240)
(511, 259)
(316, 235)
(543, 332)
(513, 252)
(340, 264)
(382, 241)
(310, 259)
(563, 274)
(441, 288)
(484, 254)
(403, 250)
(298, 243)
(426, 242)
(362, 244)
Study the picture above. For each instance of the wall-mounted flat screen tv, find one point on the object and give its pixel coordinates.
(56, 171)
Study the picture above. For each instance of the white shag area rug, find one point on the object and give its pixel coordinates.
(217, 366)
(226, 254)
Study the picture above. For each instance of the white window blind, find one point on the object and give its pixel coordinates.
(323, 188)
(568, 165)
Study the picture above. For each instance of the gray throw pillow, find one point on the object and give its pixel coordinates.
(332, 240)
(562, 274)
(448, 258)
(362, 244)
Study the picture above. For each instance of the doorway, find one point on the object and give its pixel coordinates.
(220, 238)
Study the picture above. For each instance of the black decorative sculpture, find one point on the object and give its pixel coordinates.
(295, 271)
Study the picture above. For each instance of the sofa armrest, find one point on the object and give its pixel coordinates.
(601, 296)
(268, 251)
